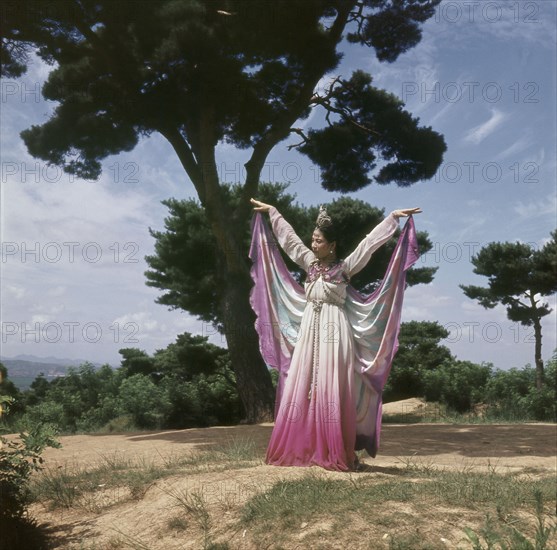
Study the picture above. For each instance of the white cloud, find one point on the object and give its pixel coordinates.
(520, 145)
(15, 291)
(479, 133)
(58, 290)
(142, 320)
(537, 208)
(424, 302)
(40, 319)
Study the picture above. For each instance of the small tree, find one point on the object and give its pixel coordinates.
(136, 361)
(519, 276)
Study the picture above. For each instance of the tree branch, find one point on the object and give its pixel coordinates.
(300, 132)
(281, 128)
(185, 155)
(345, 113)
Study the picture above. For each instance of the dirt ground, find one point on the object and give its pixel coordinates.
(520, 448)
(508, 447)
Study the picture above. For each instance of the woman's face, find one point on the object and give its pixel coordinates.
(321, 246)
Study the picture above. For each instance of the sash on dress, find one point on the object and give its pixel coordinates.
(279, 301)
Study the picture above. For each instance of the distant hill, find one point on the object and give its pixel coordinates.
(23, 369)
(50, 360)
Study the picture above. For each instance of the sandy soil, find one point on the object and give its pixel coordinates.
(509, 447)
(521, 448)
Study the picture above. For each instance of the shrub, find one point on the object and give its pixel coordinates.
(19, 458)
(458, 384)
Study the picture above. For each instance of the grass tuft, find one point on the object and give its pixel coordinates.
(118, 478)
(288, 503)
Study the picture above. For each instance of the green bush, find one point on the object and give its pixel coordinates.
(144, 401)
(457, 384)
(48, 412)
(513, 393)
(19, 458)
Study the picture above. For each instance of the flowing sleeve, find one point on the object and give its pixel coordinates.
(277, 300)
(375, 321)
(290, 242)
(358, 259)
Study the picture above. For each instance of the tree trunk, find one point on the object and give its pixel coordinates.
(252, 375)
(538, 353)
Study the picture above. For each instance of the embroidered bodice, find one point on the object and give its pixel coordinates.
(333, 273)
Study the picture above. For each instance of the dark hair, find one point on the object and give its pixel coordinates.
(329, 232)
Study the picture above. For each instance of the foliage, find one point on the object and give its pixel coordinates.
(136, 361)
(162, 65)
(419, 352)
(194, 386)
(8, 389)
(347, 154)
(514, 393)
(189, 383)
(143, 400)
(511, 395)
(66, 400)
(516, 270)
(19, 458)
(458, 384)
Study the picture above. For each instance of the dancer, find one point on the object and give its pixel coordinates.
(333, 347)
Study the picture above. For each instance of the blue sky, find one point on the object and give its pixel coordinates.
(483, 75)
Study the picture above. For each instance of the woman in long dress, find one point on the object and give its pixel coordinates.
(333, 347)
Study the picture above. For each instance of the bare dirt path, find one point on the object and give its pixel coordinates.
(506, 446)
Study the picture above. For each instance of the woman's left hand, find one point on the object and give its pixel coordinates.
(259, 206)
(406, 212)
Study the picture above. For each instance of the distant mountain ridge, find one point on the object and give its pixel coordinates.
(23, 369)
(48, 360)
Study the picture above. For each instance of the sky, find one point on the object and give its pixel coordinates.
(72, 263)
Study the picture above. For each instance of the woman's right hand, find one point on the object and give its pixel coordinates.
(259, 206)
(406, 212)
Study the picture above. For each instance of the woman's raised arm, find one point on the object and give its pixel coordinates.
(358, 259)
(286, 236)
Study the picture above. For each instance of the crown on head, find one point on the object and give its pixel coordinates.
(323, 219)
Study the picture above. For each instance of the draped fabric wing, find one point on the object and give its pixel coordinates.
(375, 321)
(278, 301)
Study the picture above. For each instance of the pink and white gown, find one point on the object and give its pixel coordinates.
(332, 346)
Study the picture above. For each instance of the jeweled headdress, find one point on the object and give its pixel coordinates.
(323, 220)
